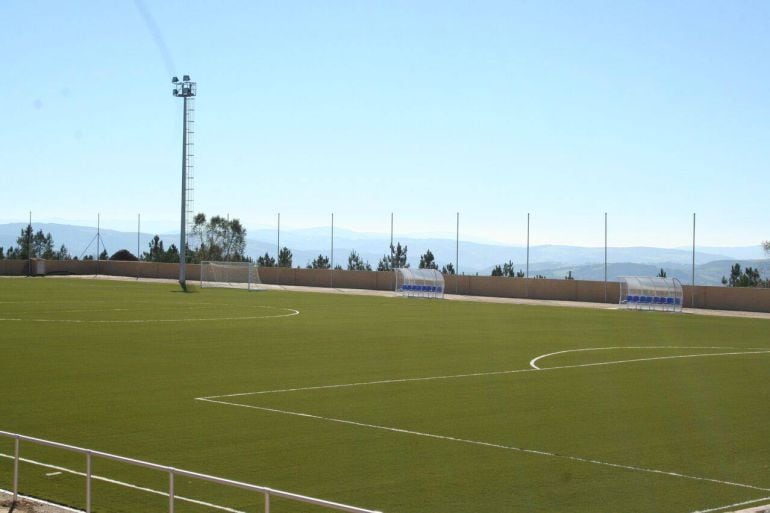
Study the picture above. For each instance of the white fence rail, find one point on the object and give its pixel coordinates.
(172, 472)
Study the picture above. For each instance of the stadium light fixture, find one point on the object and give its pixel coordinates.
(186, 89)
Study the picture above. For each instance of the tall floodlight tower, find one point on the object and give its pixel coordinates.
(186, 90)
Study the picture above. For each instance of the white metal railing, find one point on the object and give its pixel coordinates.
(172, 474)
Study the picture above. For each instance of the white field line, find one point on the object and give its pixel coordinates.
(534, 360)
(731, 506)
(493, 445)
(41, 501)
(479, 374)
(214, 399)
(122, 483)
(291, 313)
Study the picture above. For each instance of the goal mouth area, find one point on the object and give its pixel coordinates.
(230, 275)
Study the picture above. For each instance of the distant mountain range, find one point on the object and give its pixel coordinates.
(551, 261)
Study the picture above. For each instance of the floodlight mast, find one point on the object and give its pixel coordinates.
(185, 89)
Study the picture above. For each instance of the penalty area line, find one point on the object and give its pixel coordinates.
(511, 448)
(534, 360)
(482, 374)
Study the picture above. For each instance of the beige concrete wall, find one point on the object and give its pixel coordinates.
(106, 267)
(728, 298)
(717, 298)
(562, 290)
(327, 278)
(13, 267)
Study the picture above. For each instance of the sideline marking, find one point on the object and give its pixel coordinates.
(532, 362)
(121, 483)
(745, 503)
(492, 445)
(292, 312)
(479, 374)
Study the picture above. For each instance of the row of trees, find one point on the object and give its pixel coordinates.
(216, 239)
(31, 244)
(507, 270)
(748, 277)
(396, 259)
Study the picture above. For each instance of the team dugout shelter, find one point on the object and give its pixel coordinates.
(651, 293)
(428, 283)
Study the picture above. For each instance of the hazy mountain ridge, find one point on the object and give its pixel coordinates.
(552, 261)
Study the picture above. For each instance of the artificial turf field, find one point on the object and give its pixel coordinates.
(637, 411)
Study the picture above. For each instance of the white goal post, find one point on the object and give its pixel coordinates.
(420, 283)
(236, 275)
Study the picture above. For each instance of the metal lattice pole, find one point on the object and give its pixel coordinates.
(605, 257)
(457, 255)
(693, 261)
(186, 89)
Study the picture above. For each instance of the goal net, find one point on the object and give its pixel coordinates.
(419, 282)
(237, 275)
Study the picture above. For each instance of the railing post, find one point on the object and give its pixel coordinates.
(170, 490)
(16, 470)
(88, 481)
(267, 501)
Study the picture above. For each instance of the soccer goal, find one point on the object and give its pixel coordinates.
(648, 293)
(420, 283)
(236, 275)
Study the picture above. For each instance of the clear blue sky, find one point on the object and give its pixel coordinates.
(647, 110)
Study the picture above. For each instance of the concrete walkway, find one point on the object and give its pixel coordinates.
(27, 505)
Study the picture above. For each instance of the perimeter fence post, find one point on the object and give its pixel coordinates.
(170, 490)
(267, 501)
(88, 481)
(16, 470)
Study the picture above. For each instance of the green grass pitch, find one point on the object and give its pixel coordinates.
(665, 413)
